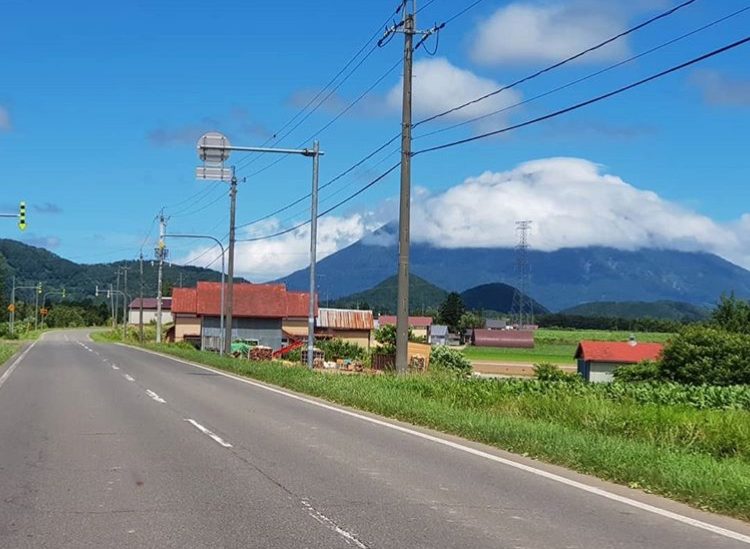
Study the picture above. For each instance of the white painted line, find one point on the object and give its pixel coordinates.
(6, 373)
(115, 367)
(205, 431)
(128, 377)
(156, 397)
(328, 523)
(479, 453)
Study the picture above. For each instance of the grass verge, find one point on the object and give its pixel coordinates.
(7, 350)
(701, 457)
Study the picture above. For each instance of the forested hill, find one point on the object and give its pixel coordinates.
(30, 265)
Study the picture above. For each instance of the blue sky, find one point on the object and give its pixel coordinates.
(101, 105)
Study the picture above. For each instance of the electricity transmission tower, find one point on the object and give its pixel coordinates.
(522, 308)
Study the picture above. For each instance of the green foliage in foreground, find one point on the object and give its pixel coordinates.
(449, 360)
(6, 351)
(694, 455)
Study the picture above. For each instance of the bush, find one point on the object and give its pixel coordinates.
(445, 358)
(544, 371)
(335, 349)
(648, 370)
(707, 356)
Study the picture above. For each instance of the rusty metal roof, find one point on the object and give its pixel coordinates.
(345, 319)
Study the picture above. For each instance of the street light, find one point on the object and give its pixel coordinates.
(213, 150)
(223, 303)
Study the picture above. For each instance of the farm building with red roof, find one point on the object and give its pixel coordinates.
(259, 312)
(597, 360)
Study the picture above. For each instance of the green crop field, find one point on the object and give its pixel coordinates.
(556, 346)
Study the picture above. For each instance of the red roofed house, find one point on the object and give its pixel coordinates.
(258, 312)
(420, 325)
(597, 360)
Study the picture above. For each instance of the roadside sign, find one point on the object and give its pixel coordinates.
(43, 311)
(11, 308)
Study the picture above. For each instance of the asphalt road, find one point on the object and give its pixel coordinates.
(106, 446)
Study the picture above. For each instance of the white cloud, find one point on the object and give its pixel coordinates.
(549, 31)
(573, 203)
(440, 85)
(5, 125)
(269, 259)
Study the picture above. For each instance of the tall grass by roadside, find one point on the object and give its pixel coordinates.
(694, 455)
(6, 351)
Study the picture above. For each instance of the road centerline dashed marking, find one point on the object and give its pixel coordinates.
(115, 367)
(211, 434)
(156, 397)
(328, 523)
(665, 513)
(128, 377)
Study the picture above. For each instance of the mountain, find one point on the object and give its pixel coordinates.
(423, 296)
(559, 279)
(667, 310)
(494, 297)
(30, 265)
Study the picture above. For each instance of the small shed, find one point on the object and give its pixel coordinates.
(510, 339)
(419, 325)
(438, 334)
(350, 325)
(495, 324)
(597, 360)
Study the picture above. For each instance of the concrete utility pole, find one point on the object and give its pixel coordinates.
(313, 254)
(12, 307)
(125, 303)
(229, 296)
(115, 312)
(402, 309)
(140, 311)
(161, 253)
(36, 305)
(112, 306)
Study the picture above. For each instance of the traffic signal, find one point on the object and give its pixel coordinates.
(22, 216)
(63, 293)
(39, 288)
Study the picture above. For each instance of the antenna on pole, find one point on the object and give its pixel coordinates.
(522, 308)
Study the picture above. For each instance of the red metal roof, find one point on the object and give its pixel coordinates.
(184, 300)
(249, 300)
(414, 321)
(621, 352)
(345, 319)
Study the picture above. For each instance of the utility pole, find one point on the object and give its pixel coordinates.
(402, 308)
(161, 253)
(313, 253)
(12, 315)
(112, 305)
(140, 311)
(230, 266)
(115, 311)
(36, 305)
(125, 303)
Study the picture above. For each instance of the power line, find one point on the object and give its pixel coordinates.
(463, 11)
(559, 63)
(330, 83)
(589, 101)
(587, 77)
(346, 109)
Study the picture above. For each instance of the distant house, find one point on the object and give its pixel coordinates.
(597, 360)
(495, 324)
(420, 325)
(149, 310)
(351, 325)
(258, 313)
(438, 335)
(512, 339)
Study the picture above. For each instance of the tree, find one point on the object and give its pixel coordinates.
(386, 336)
(451, 311)
(732, 315)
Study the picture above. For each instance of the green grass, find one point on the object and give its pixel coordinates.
(555, 353)
(556, 346)
(7, 350)
(701, 457)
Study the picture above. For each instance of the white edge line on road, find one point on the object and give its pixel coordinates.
(128, 377)
(467, 449)
(205, 431)
(6, 373)
(328, 523)
(156, 397)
